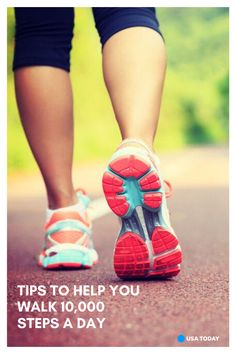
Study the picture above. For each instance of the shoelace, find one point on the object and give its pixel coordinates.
(170, 190)
(82, 190)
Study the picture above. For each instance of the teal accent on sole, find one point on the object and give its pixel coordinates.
(69, 256)
(133, 192)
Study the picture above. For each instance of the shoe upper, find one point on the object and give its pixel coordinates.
(67, 226)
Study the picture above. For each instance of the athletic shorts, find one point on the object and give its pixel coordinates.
(43, 36)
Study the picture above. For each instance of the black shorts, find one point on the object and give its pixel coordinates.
(43, 36)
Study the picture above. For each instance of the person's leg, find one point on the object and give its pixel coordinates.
(134, 62)
(44, 95)
(45, 104)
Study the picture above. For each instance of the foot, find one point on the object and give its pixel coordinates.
(68, 240)
(147, 245)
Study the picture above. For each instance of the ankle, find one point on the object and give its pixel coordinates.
(61, 199)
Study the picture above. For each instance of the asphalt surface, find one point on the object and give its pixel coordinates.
(195, 303)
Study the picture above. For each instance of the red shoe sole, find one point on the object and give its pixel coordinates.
(132, 168)
(66, 265)
(63, 265)
(132, 256)
(160, 256)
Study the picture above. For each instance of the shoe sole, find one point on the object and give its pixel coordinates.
(144, 247)
(79, 259)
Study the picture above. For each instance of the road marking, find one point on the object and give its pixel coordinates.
(98, 208)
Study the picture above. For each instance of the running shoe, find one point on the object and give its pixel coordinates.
(68, 238)
(147, 245)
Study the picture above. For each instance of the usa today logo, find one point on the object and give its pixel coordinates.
(182, 338)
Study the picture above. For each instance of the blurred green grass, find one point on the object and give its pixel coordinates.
(195, 100)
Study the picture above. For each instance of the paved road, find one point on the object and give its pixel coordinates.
(195, 303)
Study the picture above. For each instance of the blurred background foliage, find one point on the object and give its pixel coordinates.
(195, 101)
